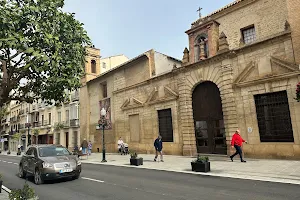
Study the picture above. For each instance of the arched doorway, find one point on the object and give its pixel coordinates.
(208, 119)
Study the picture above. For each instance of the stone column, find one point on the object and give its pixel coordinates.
(186, 118)
(202, 50)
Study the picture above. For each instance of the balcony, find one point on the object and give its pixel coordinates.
(36, 124)
(22, 126)
(75, 96)
(74, 123)
(13, 119)
(66, 123)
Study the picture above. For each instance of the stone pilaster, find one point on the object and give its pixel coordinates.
(228, 102)
(186, 119)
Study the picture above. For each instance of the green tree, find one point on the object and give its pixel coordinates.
(42, 50)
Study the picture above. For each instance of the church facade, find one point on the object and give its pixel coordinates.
(240, 71)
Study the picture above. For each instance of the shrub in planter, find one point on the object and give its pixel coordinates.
(1, 182)
(201, 164)
(135, 160)
(25, 193)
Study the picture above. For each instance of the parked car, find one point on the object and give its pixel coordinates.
(48, 162)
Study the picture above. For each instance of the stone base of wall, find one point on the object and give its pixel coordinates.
(272, 151)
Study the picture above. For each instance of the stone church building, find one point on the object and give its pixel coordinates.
(240, 71)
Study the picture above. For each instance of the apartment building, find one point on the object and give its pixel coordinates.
(49, 124)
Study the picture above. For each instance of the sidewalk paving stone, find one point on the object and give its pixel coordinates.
(4, 195)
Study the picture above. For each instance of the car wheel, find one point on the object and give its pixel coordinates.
(22, 173)
(37, 177)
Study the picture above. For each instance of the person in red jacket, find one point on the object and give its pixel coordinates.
(237, 142)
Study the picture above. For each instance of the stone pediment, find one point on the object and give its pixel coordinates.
(167, 94)
(265, 70)
(131, 103)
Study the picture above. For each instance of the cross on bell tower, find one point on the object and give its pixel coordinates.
(199, 10)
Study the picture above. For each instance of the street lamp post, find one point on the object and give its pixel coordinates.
(102, 122)
(27, 125)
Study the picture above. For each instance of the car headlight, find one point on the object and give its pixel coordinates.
(47, 165)
(78, 162)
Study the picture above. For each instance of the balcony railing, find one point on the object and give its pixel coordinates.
(74, 123)
(66, 123)
(13, 119)
(36, 124)
(75, 96)
(21, 126)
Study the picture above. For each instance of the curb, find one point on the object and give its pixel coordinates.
(6, 189)
(271, 180)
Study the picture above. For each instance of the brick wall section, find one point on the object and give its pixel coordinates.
(294, 20)
(267, 16)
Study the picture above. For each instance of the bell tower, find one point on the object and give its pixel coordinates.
(92, 64)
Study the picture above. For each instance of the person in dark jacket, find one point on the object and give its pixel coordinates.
(84, 146)
(158, 148)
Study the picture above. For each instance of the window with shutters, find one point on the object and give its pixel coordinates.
(273, 117)
(165, 125)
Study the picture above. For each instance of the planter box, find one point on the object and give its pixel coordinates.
(200, 167)
(1, 185)
(136, 161)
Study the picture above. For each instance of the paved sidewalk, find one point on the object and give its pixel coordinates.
(283, 171)
(4, 195)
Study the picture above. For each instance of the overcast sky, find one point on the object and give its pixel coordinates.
(131, 27)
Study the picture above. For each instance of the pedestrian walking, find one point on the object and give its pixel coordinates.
(237, 142)
(90, 145)
(120, 144)
(84, 146)
(158, 148)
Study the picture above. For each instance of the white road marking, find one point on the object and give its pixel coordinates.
(9, 162)
(15, 163)
(6, 189)
(90, 179)
(4, 161)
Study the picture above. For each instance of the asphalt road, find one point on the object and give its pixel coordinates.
(99, 182)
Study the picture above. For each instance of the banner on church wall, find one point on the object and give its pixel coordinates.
(106, 105)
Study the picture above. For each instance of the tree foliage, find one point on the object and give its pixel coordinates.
(41, 47)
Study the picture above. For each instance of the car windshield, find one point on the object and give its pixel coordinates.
(53, 151)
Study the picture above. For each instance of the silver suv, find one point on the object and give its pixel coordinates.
(47, 162)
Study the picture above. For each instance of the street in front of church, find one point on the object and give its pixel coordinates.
(119, 182)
